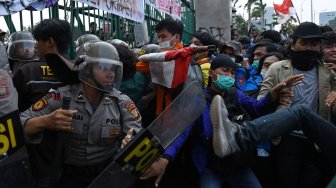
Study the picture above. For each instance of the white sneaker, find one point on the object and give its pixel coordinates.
(223, 140)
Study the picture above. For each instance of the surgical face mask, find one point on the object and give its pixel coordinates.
(193, 45)
(255, 64)
(166, 44)
(224, 82)
(263, 72)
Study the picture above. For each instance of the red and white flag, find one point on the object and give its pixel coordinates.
(284, 11)
(169, 68)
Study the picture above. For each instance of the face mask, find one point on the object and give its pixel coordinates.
(255, 64)
(305, 60)
(224, 82)
(193, 45)
(263, 72)
(166, 44)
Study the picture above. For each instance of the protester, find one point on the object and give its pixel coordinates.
(233, 138)
(213, 171)
(248, 78)
(267, 60)
(329, 48)
(203, 58)
(295, 151)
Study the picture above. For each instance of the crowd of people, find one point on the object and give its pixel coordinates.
(268, 122)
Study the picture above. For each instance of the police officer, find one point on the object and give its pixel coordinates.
(14, 163)
(99, 115)
(31, 78)
(21, 49)
(83, 39)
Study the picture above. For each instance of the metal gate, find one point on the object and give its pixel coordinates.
(109, 26)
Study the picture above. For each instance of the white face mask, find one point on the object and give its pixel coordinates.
(193, 45)
(166, 44)
(263, 72)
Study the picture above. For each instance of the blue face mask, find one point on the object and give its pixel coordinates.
(255, 64)
(224, 82)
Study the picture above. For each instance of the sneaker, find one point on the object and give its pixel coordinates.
(223, 140)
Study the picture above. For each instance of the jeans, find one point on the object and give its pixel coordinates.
(316, 128)
(295, 157)
(246, 178)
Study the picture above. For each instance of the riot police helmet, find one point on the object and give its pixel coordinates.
(21, 46)
(100, 66)
(85, 38)
(118, 42)
(149, 48)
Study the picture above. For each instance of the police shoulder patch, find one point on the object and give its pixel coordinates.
(54, 95)
(130, 106)
(40, 104)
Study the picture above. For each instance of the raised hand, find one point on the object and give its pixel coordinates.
(331, 99)
(285, 86)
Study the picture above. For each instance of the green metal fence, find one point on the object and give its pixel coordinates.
(109, 26)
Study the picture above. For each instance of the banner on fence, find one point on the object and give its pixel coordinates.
(133, 10)
(171, 7)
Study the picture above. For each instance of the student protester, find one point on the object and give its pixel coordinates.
(203, 58)
(245, 42)
(329, 49)
(267, 60)
(233, 138)
(295, 151)
(234, 170)
(169, 33)
(134, 83)
(248, 79)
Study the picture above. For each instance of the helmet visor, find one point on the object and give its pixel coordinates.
(100, 73)
(22, 50)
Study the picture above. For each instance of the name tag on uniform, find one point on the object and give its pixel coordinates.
(110, 134)
(77, 123)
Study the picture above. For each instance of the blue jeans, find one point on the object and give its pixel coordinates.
(209, 179)
(299, 117)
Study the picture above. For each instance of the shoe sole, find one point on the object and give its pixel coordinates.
(218, 113)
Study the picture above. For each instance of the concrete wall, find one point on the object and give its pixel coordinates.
(214, 17)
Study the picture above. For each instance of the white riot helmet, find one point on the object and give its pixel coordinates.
(100, 67)
(21, 46)
(85, 38)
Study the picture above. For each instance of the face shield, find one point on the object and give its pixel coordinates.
(83, 39)
(22, 50)
(102, 74)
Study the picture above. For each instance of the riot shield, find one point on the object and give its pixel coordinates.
(14, 163)
(149, 144)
